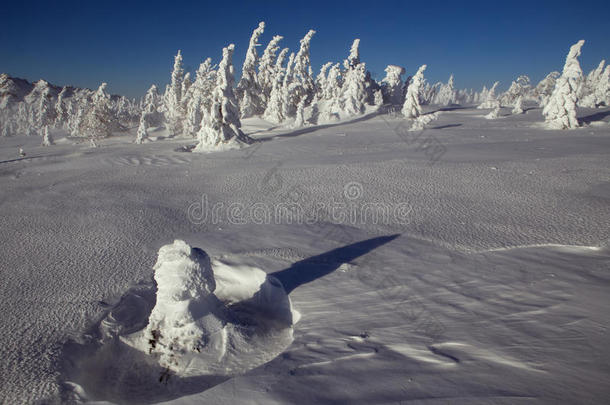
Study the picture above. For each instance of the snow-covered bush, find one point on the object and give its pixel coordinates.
(495, 113)
(420, 123)
(560, 110)
(411, 108)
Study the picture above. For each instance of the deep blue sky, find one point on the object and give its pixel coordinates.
(131, 44)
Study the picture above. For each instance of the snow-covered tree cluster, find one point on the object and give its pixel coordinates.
(35, 108)
(280, 87)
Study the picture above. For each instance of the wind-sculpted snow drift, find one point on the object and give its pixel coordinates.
(208, 320)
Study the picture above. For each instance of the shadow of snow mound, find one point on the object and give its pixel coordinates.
(197, 325)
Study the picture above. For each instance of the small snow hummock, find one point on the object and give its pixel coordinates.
(182, 324)
(192, 329)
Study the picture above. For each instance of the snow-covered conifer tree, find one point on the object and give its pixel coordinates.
(299, 119)
(173, 97)
(266, 68)
(275, 107)
(150, 109)
(302, 74)
(354, 92)
(446, 93)
(518, 106)
(220, 127)
(560, 110)
(47, 139)
(142, 134)
(490, 100)
(98, 121)
(392, 85)
(544, 89)
(411, 107)
(321, 81)
(378, 98)
(248, 88)
(354, 56)
(596, 87)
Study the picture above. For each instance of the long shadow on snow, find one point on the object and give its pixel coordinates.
(317, 127)
(312, 268)
(594, 117)
(111, 370)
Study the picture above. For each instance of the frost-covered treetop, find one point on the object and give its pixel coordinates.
(572, 69)
(251, 55)
(393, 73)
(354, 55)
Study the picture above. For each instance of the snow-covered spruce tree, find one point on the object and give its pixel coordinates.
(354, 92)
(220, 127)
(446, 93)
(597, 87)
(61, 108)
(334, 90)
(47, 139)
(602, 90)
(248, 89)
(151, 107)
(392, 85)
(266, 69)
(378, 98)
(490, 100)
(544, 89)
(173, 98)
(184, 91)
(519, 88)
(299, 119)
(199, 97)
(411, 108)
(142, 134)
(275, 107)
(289, 90)
(302, 74)
(98, 121)
(354, 56)
(321, 79)
(45, 110)
(560, 110)
(518, 106)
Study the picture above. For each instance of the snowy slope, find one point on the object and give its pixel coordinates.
(491, 288)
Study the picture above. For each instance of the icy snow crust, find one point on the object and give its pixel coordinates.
(493, 291)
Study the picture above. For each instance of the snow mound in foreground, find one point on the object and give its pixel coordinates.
(206, 321)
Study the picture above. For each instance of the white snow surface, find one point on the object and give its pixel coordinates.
(492, 288)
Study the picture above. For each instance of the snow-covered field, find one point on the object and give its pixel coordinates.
(468, 263)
